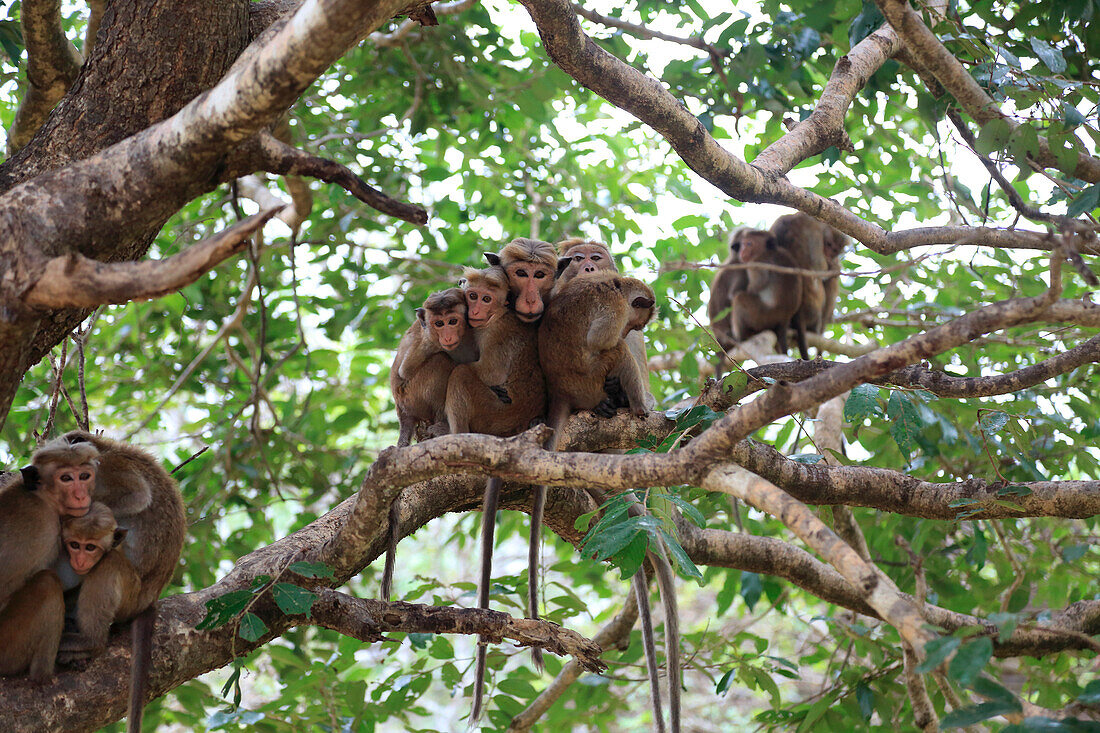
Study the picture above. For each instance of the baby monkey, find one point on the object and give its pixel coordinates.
(93, 543)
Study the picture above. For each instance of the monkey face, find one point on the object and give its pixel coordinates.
(84, 552)
(584, 258)
(483, 304)
(74, 485)
(752, 245)
(447, 328)
(530, 282)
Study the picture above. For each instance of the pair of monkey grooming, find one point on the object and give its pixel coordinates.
(587, 345)
(746, 302)
(120, 571)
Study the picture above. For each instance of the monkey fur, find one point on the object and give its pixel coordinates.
(816, 246)
(32, 502)
(428, 352)
(764, 300)
(146, 501)
(530, 264)
(578, 256)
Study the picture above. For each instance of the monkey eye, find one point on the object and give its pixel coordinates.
(596, 258)
(66, 477)
(578, 258)
(452, 322)
(86, 476)
(487, 299)
(539, 274)
(521, 273)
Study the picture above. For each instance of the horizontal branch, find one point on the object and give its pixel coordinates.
(899, 493)
(76, 281)
(367, 619)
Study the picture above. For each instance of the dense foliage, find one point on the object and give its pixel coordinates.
(275, 364)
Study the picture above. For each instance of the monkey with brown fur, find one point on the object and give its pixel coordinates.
(721, 294)
(92, 547)
(814, 246)
(579, 256)
(762, 299)
(421, 392)
(146, 501)
(58, 483)
(428, 351)
(530, 265)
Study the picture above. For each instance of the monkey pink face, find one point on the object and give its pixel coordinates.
(84, 553)
(753, 245)
(483, 304)
(74, 486)
(447, 328)
(531, 283)
(589, 258)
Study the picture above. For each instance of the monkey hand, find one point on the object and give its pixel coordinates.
(76, 647)
(502, 393)
(606, 408)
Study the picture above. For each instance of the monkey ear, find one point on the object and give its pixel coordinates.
(120, 536)
(771, 242)
(642, 302)
(462, 282)
(492, 258)
(563, 262)
(421, 317)
(31, 477)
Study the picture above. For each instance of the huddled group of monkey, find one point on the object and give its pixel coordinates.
(745, 302)
(90, 533)
(541, 332)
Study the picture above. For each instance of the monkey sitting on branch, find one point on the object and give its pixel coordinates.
(58, 483)
(429, 350)
(815, 246)
(757, 299)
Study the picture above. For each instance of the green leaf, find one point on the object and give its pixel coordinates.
(1091, 694)
(751, 588)
(223, 609)
(252, 627)
(1085, 201)
(1050, 56)
(905, 422)
(724, 683)
(807, 458)
(994, 136)
(1014, 490)
(970, 660)
(311, 569)
(983, 711)
(866, 701)
(679, 558)
(293, 599)
(936, 651)
(1073, 553)
(862, 403)
(735, 381)
(992, 422)
(1071, 115)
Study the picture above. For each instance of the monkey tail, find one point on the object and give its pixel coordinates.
(391, 550)
(141, 658)
(641, 590)
(488, 529)
(800, 332)
(533, 568)
(659, 558)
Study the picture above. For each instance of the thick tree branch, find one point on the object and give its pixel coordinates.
(922, 43)
(276, 156)
(871, 584)
(52, 65)
(881, 488)
(75, 281)
(367, 619)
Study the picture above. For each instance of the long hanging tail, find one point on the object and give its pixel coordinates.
(391, 549)
(141, 659)
(488, 529)
(641, 590)
(533, 567)
(663, 570)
